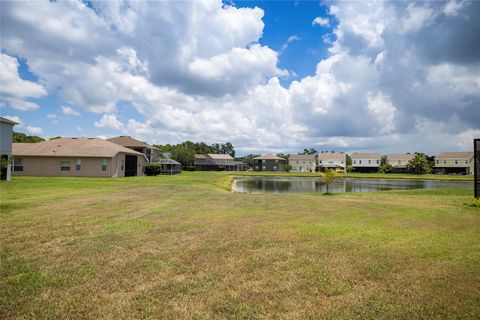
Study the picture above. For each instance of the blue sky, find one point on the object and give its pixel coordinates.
(380, 76)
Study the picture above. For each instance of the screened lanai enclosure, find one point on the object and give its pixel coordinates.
(169, 166)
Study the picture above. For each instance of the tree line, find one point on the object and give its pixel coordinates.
(185, 152)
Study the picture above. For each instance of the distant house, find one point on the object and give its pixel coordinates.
(366, 162)
(153, 154)
(454, 163)
(335, 161)
(399, 161)
(217, 162)
(303, 162)
(269, 162)
(76, 157)
(169, 166)
(6, 137)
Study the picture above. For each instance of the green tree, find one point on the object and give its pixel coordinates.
(287, 168)
(383, 160)
(385, 168)
(183, 155)
(348, 160)
(23, 138)
(419, 164)
(329, 176)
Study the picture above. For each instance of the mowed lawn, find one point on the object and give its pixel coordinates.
(186, 247)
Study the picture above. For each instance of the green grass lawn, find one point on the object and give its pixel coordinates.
(185, 247)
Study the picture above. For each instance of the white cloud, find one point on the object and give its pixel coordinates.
(69, 111)
(15, 119)
(13, 89)
(101, 137)
(289, 40)
(196, 70)
(323, 22)
(34, 130)
(109, 121)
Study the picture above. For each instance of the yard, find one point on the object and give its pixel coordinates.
(185, 247)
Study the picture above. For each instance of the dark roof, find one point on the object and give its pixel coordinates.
(268, 157)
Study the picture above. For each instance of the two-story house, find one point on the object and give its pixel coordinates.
(399, 161)
(336, 161)
(303, 162)
(152, 154)
(366, 162)
(269, 162)
(6, 130)
(454, 163)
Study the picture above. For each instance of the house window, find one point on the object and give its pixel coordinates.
(444, 161)
(320, 161)
(456, 161)
(263, 167)
(399, 161)
(256, 167)
(263, 161)
(17, 164)
(123, 163)
(276, 161)
(359, 161)
(78, 165)
(104, 164)
(369, 161)
(354, 161)
(64, 165)
(466, 161)
(275, 168)
(378, 161)
(341, 162)
(438, 161)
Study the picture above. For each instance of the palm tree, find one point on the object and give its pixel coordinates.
(329, 176)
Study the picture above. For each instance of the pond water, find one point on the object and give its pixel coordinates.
(254, 184)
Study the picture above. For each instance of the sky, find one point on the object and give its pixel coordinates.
(266, 76)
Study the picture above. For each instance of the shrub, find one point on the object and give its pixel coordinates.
(189, 168)
(385, 168)
(287, 168)
(152, 169)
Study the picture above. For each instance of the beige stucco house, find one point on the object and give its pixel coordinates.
(76, 157)
(399, 161)
(303, 162)
(366, 162)
(335, 161)
(454, 163)
(6, 136)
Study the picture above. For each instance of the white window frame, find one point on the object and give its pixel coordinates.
(64, 164)
(17, 166)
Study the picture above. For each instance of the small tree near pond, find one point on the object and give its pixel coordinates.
(419, 164)
(329, 176)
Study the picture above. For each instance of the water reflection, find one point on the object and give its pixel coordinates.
(310, 185)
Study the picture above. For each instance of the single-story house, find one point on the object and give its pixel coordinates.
(269, 162)
(454, 163)
(399, 161)
(336, 161)
(217, 162)
(76, 157)
(366, 162)
(153, 154)
(303, 162)
(6, 137)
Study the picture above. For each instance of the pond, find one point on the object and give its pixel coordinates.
(254, 184)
